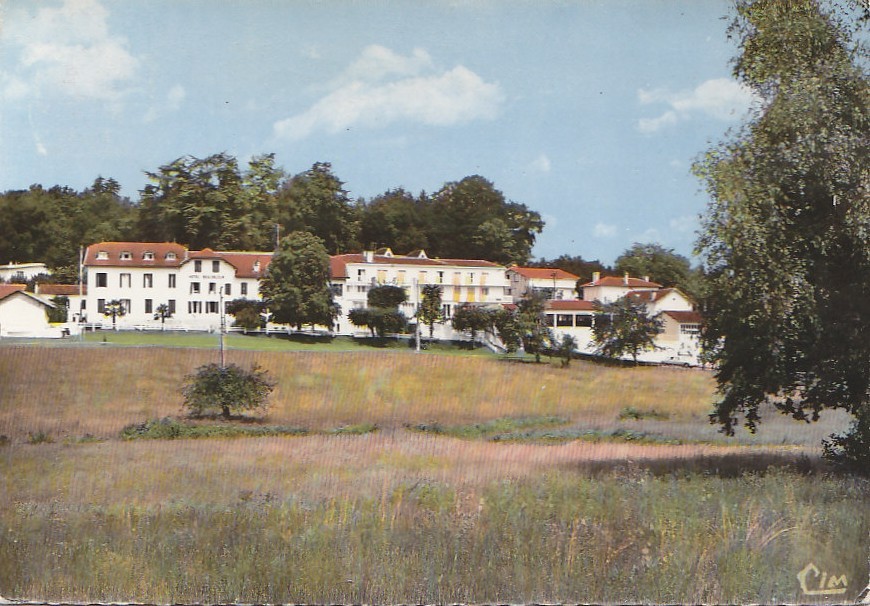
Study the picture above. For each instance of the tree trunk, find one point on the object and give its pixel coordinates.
(225, 411)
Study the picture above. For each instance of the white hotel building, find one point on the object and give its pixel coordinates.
(192, 284)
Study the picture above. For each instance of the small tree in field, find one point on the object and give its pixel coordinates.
(114, 309)
(430, 307)
(229, 389)
(624, 327)
(472, 319)
(161, 313)
(566, 349)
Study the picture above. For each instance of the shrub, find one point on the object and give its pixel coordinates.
(228, 389)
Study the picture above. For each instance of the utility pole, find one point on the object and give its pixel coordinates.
(222, 325)
(417, 324)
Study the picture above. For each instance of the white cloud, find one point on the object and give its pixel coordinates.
(719, 98)
(382, 87)
(541, 164)
(604, 230)
(69, 50)
(171, 103)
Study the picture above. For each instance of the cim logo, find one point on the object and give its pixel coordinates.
(825, 586)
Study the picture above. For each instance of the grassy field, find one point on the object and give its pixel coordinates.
(472, 479)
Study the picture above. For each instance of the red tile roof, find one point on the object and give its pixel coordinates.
(246, 262)
(137, 252)
(7, 290)
(544, 273)
(685, 317)
(65, 290)
(570, 305)
(617, 281)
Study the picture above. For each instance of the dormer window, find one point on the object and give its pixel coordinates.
(148, 256)
(102, 255)
(125, 255)
(170, 256)
(256, 266)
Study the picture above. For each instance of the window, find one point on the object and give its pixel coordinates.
(228, 289)
(256, 266)
(212, 288)
(471, 278)
(215, 266)
(360, 274)
(382, 276)
(102, 280)
(446, 309)
(550, 319)
(401, 279)
(457, 278)
(147, 280)
(440, 277)
(584, 321)
(336, 289)
(197, 266)
(102, 255)
(690, 329)
(171, 305)
(171, 280)
(485, 291)
(148, 305)
(211, 307)
(148, 256)
(244, 288)
(125, 255)
(194, 288)
(564, 320)
(101, 306)
(126, 280)
(170, 256)
(126, 306)
(194, 307)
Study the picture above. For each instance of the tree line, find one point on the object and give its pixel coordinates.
(214, 202)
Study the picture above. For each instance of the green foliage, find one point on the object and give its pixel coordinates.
(379, 320)
(296, 286)
(170, 429)
(114, 309)
(624, 327)
(394, 219)
(576, 265)
(472, 319)
(489, 429)
(209, 202)
(61, 306)
(630, 412)
(39, 437)
(534, 332)
(663, 266)
(162, 312)
(786, 237)
(315, 202)
(386, 296)
(50, 225)
(507, 328)
(567, 346)
(247, 313)
(430, 312)
(229, 389)
(471, 219)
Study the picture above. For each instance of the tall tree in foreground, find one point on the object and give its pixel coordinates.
(296, 286)
(786, 238)
(430, 307)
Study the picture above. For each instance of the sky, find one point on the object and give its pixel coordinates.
(589, 112)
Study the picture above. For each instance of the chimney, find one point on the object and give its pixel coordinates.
(368, 256)
(596, 275)
(625, 279)
(646, 278)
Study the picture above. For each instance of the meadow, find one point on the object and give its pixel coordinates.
(424, 478)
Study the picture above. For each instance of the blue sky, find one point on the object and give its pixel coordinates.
(589, 112)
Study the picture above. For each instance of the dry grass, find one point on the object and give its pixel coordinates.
(73, 392)
(395, 515)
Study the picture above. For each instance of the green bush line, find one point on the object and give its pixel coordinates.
(170, 429)
(630, 412)
(560, 436)
(487, 429)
